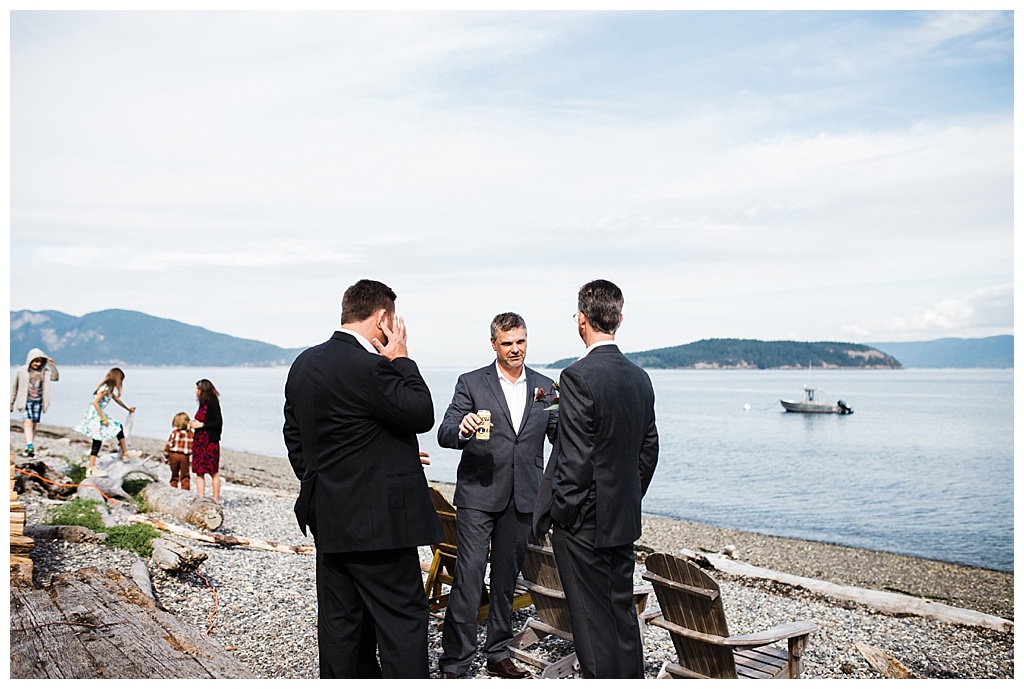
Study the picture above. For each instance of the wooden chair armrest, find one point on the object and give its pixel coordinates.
(659, 621)
(783, 631)
(710, 594)
(542, 590)
(647, 615)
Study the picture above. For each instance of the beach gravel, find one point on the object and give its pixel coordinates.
(261, 606)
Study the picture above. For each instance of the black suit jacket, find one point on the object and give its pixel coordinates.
(510, 463)
(607, 449)
(350, 425)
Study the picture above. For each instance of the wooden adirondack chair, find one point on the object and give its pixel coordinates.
(692, 612)
(540, 577)
(442, 567)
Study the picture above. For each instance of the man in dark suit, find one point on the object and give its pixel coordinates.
(495, 492)
(353, 407)
(603, 462)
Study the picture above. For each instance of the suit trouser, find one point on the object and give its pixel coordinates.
(367, 600)
(598, 585)
(505, 533)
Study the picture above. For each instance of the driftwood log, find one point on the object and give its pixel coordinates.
(884, 663)
(63, 532)
(224, 540)
(115, 471)
(173, 556)
(39, 477)
(99, 625)
(188, 507)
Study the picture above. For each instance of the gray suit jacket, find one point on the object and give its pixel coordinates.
(606, 452)
(509, 464)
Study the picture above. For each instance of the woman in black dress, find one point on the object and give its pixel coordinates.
(207, 424)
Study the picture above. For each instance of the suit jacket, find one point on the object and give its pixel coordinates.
(350, 425)
(607, 449)
(510, 463)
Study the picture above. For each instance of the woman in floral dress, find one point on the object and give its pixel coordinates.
(207, 424)
(97, 425)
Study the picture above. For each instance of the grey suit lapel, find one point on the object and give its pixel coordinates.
(531, 386)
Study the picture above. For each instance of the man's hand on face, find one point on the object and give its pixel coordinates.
(394, 331)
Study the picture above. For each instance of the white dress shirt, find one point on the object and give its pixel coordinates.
(515, 396)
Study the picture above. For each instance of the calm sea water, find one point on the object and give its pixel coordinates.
(923, 467)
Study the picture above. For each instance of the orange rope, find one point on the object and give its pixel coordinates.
(216, 602)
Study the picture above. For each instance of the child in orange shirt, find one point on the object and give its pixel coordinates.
(178, 452)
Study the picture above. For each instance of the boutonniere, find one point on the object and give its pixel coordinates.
(541, 395)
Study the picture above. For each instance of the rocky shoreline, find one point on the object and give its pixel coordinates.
(265, 610)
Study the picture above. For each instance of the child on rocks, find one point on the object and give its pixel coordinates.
(178, 452)
(31, 393)
(98, 426)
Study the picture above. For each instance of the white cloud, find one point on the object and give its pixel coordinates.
(983, 312)
(746, 189)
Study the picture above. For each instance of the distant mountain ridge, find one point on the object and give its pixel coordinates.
(953, 352)
(757, 354)
(118, 337)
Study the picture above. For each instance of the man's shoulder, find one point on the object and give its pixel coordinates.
(478, 374)
(339, 345)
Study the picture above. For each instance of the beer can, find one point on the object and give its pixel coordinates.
(484, 432)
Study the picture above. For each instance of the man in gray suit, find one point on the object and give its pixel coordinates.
(603, 462)
(495, 492)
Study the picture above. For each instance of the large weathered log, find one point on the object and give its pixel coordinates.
(184, 506)
(93, 625)
(883, 601)
(172, 556)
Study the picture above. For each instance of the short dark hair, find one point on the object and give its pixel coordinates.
(601, 302)
(506, 321)
(364, 299)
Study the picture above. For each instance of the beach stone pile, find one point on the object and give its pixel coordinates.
(261, 605)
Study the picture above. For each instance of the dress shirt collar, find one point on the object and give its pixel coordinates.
(367, 345)
(503, 378)
(599, 343)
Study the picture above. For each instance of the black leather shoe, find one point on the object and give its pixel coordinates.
(507, 669)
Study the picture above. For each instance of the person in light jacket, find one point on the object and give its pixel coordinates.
(30, 393)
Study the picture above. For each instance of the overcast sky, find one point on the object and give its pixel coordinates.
(781, 175)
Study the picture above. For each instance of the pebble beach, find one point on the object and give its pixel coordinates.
(261, 606)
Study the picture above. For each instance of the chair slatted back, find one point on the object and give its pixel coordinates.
(446, 513)
(691, 599)
(545, 585)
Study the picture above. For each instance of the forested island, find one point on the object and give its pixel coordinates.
(757, 354)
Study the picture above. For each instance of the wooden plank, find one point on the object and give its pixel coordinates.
(21, 571)
(92, 624)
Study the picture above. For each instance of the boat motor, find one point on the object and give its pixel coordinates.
(844, 408)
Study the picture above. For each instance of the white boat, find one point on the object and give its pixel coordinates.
(815, 402)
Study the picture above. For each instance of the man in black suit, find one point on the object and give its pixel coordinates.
(604, 459)
(353, 407)
(495, 492)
